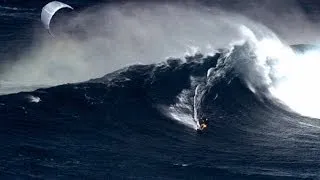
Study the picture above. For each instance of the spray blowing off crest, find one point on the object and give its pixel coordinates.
(156, 31)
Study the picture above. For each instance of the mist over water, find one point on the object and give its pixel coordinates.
(119, 35)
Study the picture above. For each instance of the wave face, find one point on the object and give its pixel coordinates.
(259, 94)
(137, 122)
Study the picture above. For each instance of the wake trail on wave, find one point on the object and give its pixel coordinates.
(181, 111)
(196, 106)
(187, 109)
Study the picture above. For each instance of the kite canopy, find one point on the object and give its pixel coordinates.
(49, 10)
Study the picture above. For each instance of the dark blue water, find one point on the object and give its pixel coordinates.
(111, 127)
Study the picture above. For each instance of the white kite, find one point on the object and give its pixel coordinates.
(49, 10)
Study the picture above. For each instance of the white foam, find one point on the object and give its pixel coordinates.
(182, 110)
(289, 77)
(34, 99)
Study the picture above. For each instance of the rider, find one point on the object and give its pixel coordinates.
(204, 124)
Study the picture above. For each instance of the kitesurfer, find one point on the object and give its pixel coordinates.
(203, 125)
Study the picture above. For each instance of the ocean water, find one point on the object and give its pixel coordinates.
(119, 91)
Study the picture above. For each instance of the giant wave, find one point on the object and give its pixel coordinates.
(124, 121)
(139, 121)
